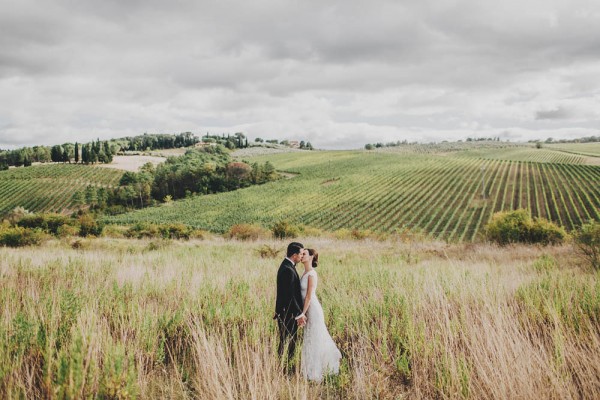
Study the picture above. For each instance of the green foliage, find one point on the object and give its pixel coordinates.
(284, 230)
(587, 240)
(518, 227)
(19, 237)
(266, 251)
(89, 226)
(246, 232)
(49, 223)
(166, 231)
(143, 230)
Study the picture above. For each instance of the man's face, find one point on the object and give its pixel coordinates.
(298, 256)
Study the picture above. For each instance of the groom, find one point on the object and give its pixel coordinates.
(288, 306)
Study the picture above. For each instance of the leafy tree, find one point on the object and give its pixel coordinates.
(587, 240)
(56, 154)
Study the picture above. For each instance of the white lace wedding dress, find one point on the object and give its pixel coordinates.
(320, 355)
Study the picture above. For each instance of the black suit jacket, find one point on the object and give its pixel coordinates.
(289, 297)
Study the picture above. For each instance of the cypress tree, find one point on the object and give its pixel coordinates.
(76, 153)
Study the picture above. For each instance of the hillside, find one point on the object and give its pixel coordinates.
(438, 193)
(50, 187)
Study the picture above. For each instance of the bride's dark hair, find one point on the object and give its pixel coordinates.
(315, 255)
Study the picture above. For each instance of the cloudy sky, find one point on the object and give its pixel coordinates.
(337, 73)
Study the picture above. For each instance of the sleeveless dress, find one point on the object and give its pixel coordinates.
(320, 355)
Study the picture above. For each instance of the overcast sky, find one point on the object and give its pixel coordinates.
(337, 73)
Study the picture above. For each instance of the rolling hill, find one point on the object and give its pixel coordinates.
(447, 195)
(50, 187)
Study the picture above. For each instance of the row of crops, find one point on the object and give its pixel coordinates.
(445, 197)
(588, 149)
(528, 154)
(50, 188)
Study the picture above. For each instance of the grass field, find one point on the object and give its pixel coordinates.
(50, 187)
(440, 195)
(126, 319)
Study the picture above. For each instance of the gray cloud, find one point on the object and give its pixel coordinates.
(557, 113)
(339, 74)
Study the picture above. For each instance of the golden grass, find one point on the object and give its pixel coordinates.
(193, 320)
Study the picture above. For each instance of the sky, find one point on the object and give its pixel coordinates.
(339, 74)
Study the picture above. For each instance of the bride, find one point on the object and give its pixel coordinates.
(320, 355)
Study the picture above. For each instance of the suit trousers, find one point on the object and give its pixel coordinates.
(288, 334)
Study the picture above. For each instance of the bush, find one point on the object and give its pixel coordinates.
(587, 240)
(284, 230)
(166, 231)
(49, 223)
(88, 226)
(545, 232)
(246, 232)
(18, 237)
(66, 231)
(518, 227)
(143, 230)
(266, 251)
(175, 231)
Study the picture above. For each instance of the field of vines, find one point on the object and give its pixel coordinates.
(442, 197)
(50, 188)
(528, 154)
(588, 149)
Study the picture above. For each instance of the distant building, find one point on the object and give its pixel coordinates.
(294, 144)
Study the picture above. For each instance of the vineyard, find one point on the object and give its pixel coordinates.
(50, 188)
(529, 154)
(449, 198)
(587, 149)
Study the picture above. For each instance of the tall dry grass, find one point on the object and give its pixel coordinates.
(128, 318)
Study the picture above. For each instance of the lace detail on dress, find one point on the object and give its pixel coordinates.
(320, 355)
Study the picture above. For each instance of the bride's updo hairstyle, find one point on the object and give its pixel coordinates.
(315, 255)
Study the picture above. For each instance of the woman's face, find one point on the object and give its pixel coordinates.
(306, 257)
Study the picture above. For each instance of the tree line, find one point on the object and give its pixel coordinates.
(88, 153)
(199, 171)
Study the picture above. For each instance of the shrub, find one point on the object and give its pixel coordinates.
(66, 231)
(49, 223)
(143, 230)
(175, 231)
(310, 231)
(16, 214)
(518, 227)
(88, 226)
(284, 230)
(245, 232)
(545, 232)
(587, 240)
(266, 251)
(18, 237)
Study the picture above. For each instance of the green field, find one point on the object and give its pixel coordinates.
(440, 195)
(529, 154)
(42, 188)
(588, 149)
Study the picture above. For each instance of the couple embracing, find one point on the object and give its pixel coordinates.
(297, 306)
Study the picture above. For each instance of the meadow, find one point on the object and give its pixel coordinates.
(124, 319)
(448, 195)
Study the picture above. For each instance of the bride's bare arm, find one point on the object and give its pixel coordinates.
(309, 291)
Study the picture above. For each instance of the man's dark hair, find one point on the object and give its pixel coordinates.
(294, 248)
